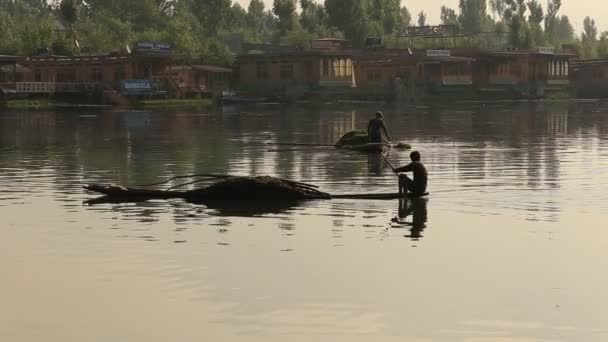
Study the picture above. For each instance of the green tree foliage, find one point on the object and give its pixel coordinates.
(421, 18)
(406, 17)
(386, 13)
(201, 30)
(448, 16)
(473, 15)
(313, 17)
(562, 30)
(498, 8)
(589, 30)
(602, 45)
(258, 21)
(589, 38)
(69, 10)
(285, 11)
(352, 17)
(535, 20)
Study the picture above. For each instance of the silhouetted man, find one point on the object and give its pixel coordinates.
(375, 128)
(416, 187)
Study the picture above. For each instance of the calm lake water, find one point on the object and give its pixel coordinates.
(510, 245)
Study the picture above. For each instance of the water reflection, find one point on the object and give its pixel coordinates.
(509, 174)
(417, 209)
(514, 156)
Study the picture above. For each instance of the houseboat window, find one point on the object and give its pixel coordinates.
(349, 67)
(566, 66)
(342, 67)
(336, 67)
(325, 62)
(286, 71)
(66, 75)
(262, 70)
(37, 76)
(374, 75)
(120, 74)
(515, 69)
(96, 75)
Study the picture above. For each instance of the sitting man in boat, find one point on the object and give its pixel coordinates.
(416, 187)
(375, 128)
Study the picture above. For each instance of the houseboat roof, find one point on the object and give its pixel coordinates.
(584, 62)
(438, 59)
(297, 53)
(207, 68)
(211, 68)
(9, 58)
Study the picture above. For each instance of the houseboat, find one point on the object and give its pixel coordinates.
(323, 69)
(142, 72)
(205, 80)
(590, 78)
(411, 75)
(519, 74)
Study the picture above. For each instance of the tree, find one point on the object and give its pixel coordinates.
(255, 19)
(212, 14)
(352, 17)
(285, 11)
(448, 16)
(520, 34)
(473, 15)
(535, 20)
(386, 13)
(589, 30)
(498, 8)
(406, 17)
(589, 38)
(562, 30)
(69, 11)
(421, 18)
(536, 15)
(602, 45)
(552, 20)
(313, 17)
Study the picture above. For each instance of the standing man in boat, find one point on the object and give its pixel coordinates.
(416, 187)
(375, 128)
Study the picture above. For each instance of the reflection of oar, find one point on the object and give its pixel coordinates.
(389, 163)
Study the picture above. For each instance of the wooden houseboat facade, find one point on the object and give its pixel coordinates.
(205, 80)
(590, 78)
(519, 74)
(406, 75)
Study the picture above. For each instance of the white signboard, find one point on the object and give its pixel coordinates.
(438, 53)
(546, 50)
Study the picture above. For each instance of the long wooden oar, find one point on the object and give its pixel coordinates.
(389, 163)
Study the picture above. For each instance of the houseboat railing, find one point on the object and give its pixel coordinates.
(52, 87)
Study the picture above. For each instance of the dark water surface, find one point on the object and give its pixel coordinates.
(510, 246)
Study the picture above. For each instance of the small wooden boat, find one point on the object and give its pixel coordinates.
(201, 196)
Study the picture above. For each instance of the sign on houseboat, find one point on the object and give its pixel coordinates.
(545, 50)
(153, 47)
(136, 87)
(438, 53)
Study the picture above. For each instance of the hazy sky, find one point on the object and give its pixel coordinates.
(577, 10)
